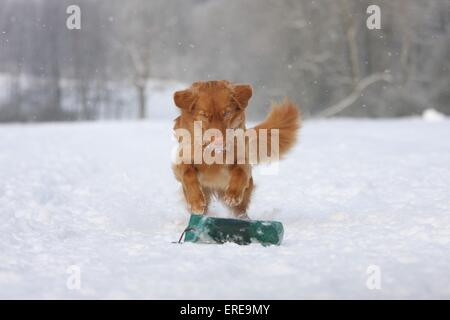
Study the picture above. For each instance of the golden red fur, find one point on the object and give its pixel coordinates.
(221, 105)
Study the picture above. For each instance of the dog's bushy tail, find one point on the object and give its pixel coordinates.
(284, 116)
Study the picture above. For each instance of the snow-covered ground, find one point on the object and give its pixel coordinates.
(101, 197)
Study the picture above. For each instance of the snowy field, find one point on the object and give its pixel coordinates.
(101, 196)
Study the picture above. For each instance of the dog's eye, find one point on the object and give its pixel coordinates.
(226, 114)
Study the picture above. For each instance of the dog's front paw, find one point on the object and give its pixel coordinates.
(233, 197)
(197, 205)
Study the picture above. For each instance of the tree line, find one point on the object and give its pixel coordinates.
(320, 53)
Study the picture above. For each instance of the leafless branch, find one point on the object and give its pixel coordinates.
(353, 97)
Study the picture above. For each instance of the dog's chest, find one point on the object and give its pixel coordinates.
(215, 177)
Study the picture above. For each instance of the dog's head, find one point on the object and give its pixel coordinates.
(216, 105)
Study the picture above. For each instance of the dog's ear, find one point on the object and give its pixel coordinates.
(242, 94)
(185, 99)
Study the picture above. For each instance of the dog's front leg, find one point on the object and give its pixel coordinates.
(193, 190)
(239, 180)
